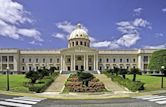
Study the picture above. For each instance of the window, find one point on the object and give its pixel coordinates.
(73, 43)
(145, 59)
(50, 60)
(44, 60)
(100, 60)
(30, 68)
(114, 60)
(23, 68)
(11, 58)
(37, 60)
(4, 66)
(23, 60)
(79, 58)
(68, 60)
(107, 60)
(80, 42)
(127, 60)
(89, 59)
(120, 60)
(37, 67)
(4, 58)
(134, 60)
(57, 60)
(145, 66)
(29, 59)
(11, 66)
(85, 43)
(76, 42)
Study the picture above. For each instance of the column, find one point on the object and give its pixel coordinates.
(74, 62)
(71, 61)
(97, 62)
(87, 63)
(94, 62)
(64, 67)
(84, 62)
(61, 62)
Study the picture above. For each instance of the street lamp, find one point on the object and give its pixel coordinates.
(7, 74)
(162, 70)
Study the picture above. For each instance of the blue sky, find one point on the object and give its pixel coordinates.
(111, 24)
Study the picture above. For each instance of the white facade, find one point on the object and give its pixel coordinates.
(78, 56)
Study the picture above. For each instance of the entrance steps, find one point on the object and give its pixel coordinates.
(109, 84)
(58, 84)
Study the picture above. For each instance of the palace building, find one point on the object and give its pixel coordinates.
(77, 56)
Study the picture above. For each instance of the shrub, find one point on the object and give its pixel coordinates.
(33, 76)
(131, 85)
(42, 84)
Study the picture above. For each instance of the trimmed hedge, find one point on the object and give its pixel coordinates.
(42, 84)
(131, 85)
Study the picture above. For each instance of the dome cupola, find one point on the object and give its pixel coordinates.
(78, 37)
(79, 32)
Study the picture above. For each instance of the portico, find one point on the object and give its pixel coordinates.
(79, 58)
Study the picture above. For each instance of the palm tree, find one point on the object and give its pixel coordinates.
(135, 71)
(123, 72)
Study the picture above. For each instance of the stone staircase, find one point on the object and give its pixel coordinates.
(58, 84)
(110, 85)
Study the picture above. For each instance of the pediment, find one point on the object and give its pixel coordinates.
(79, 49)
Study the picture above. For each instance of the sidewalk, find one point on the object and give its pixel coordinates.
(58, 85)
(110, 85)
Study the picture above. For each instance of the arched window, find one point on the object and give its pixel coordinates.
(85, 43)
(76, 42)
(80, 42)
(73, 43)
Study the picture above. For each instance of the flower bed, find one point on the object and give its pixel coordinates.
(73, 84)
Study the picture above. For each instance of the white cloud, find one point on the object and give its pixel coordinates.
(66, 28)
(139, 22)
(35, 43)
(138, 11)
(13, 14)
(59, 36)
(156, 47)
(33, 33)
(92, 39)
(164, 9)
(130, 34)
(128, 40)
(159, 35)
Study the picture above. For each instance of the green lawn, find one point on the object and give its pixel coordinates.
(151, 82)
(16, 83)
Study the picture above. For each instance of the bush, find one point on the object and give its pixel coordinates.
(42, 84)
(131, 85)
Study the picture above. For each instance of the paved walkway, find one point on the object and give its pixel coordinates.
(58, 84)
(109, 84)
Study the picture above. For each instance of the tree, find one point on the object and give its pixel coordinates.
(52, 69)
(135, 71)
(123, 72)
(116, 70)
(85, 77)
(157, 60)
(33, 76)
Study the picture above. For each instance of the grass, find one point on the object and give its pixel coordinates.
(16, 83)
(151, 82)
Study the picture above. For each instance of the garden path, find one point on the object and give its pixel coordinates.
(109, 84)
(58, 84)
